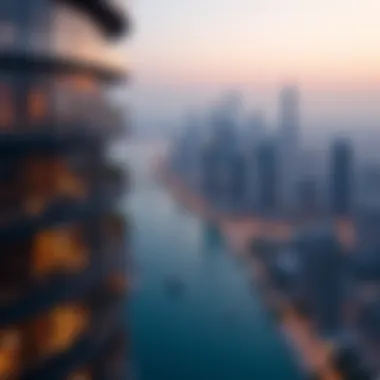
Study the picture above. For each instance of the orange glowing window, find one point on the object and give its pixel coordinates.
(10, 352)
(6, 107)
(80, 375)
(60, 328)
(57, 251)
(66, 182)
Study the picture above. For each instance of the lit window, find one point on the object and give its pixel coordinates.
(59, 329)
(66, 182)
(10, 352)
(6, 107)
(46, 179)
(59, 250)
(80, 375)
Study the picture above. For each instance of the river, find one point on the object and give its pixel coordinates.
(216, 328)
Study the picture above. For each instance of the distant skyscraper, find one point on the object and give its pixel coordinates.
(341, 178)
(367, 226)
(210, 167)
(320, 277)
(255, 134)
(238, 179)
(289, 124)
(307, 196)
(267, 177)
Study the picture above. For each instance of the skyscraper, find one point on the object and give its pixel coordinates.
(238, 179)
(341, 178)
(289, 125)
(63, 277)
(320, 277)
(267, 177)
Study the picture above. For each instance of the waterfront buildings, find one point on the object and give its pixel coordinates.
(320, 278)
(63, 260)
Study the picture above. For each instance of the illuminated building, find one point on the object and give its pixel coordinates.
(63, 275)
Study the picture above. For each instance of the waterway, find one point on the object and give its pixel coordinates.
(215, 326)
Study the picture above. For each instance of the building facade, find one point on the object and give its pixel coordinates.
(341, 178)
(289, 125)
(63, 258)
(268, 179)
(320, 278)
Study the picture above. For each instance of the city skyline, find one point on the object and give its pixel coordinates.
(327, 47)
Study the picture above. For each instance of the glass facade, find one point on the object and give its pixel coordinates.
(63, 257)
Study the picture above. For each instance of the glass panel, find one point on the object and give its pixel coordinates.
(14, 270)
(7, 111)
(61, 250)
(83, 102)
(80, 375)
(59, 329)
(48, 179)
(10, 353)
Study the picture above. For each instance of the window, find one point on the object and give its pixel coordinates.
(59, 251)
(6, 107)
(37, 107)
(7, 34)
(10, 189)
(49, 178)
(10, 352)
(14, 269)
(80, 375)
(59, 329)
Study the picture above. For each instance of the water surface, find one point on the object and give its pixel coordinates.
(216, 327)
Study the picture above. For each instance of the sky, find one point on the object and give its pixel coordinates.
(184, 53)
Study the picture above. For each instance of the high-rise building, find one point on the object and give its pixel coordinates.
(63, 261)
(307, 197)
(210, 164)
(255, 134)
(289, 125)
(341, 178)
(238, 179)
(268, 180)
(320, 278)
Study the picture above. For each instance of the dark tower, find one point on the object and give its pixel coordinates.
(267, 177)
(63, 271)
(320, 277)
(341, 178)
(289, 128)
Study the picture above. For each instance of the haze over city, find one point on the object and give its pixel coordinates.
(204, 49)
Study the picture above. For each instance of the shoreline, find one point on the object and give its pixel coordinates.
(312, 353)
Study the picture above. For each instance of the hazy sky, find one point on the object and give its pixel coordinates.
(186, 51)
